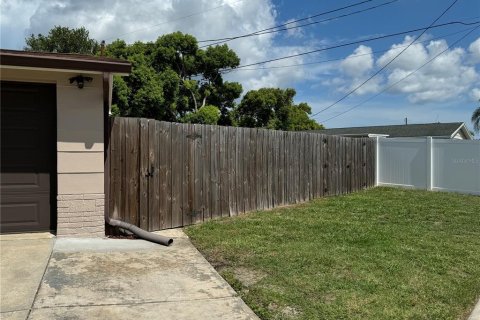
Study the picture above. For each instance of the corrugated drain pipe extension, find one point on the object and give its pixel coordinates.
(149, 236)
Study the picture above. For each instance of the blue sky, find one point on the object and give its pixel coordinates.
(445, 90)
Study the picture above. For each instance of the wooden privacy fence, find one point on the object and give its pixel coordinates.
(163, 175)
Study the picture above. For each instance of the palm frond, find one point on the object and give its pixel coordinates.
(476, 120)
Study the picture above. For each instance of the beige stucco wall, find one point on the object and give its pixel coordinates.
(80, 164)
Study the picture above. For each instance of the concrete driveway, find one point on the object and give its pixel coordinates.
(24, 258)
(113, 279)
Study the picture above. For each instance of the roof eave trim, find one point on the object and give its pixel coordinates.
(465, 131)
(61, 63)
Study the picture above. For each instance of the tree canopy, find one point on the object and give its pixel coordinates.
(274, 108)
(63, 40)
(204, 115)
(180, 77)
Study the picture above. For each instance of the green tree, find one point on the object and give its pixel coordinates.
(274, 108)
(297, 118)
(141, 95)
(224, 97)
(63, 40)
(205, 115)
(189, 77)
(476, 119)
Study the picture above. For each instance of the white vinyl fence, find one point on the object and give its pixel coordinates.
(431, 164)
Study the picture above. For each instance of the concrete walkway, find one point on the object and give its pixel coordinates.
(24, 258)
(475, 315)
(124, 279)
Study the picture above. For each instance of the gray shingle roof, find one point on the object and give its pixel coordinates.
(409, 130)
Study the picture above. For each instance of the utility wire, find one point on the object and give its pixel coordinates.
(352, 43)
(172, 20)
(291, 22)
(405, 77)
(388, 63)
(284, 28)
(339, 59)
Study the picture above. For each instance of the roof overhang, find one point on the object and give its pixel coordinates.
(63, 62)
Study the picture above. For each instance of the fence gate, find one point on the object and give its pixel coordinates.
(164, 175)
(143, 191)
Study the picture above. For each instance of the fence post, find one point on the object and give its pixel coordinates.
(429, 163)
(377, 161)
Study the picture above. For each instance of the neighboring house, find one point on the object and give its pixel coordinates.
(454, 130)
(54, 108)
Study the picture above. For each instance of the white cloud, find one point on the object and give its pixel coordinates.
(14, 18)
(359, 63)
(254, 78)
(448, 76)
(474, 50)
(133, 20)
(475, 94)
(356, 68)
(410, 59)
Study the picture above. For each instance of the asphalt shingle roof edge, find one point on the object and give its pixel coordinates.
(408, 130)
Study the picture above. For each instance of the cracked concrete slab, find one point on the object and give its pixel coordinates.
(14, 315)
(23, 262)
(213, 309)
(120, 279)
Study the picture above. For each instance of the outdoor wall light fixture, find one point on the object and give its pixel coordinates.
(80, 80)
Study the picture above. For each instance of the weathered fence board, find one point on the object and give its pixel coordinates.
(232, 144)
(177, 174)
(166, 175)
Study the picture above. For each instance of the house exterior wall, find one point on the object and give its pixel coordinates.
(80, 166)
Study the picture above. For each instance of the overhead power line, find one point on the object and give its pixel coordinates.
(352, 43)
(294, 21)
(283, 27)
(405, 77)
(388, 63)
(343, 58)
(172, 20)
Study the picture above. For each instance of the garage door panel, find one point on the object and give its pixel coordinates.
(24, 213)
(25, 138)
(25, 182)
(21, 160)
(28, 156)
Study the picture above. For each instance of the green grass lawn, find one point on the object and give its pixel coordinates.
(378, 254)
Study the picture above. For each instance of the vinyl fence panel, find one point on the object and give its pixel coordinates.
(432, 164)
(403, 162)
(456, 165)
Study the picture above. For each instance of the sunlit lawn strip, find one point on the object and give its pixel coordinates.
(378, 254)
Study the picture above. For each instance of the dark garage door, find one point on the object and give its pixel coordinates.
(28, 156)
